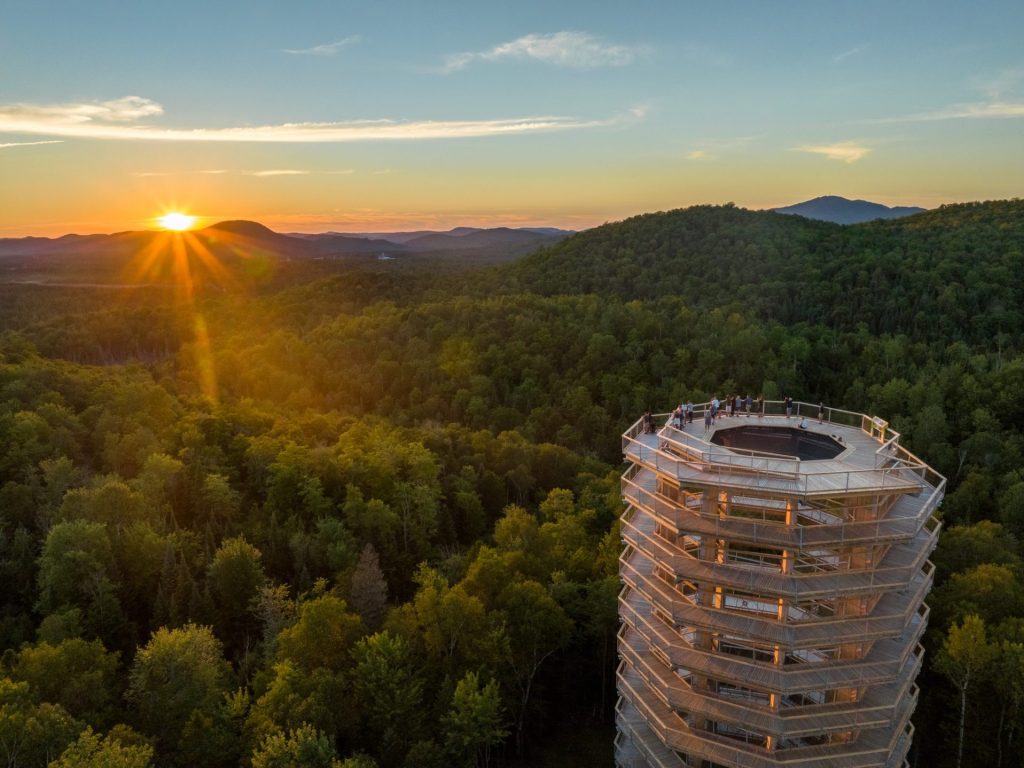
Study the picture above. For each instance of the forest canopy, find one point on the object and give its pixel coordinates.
(370, 518)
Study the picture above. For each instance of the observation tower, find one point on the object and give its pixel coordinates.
(774, 576)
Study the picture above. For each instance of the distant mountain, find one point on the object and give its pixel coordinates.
(463, 238)
(241, 227)
(549, 231)
(499, 234)
(842, 211)
(230, 241)
(505, 242)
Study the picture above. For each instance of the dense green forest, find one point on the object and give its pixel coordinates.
(371, 518)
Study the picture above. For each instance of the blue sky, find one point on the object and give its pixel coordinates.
(540, 113)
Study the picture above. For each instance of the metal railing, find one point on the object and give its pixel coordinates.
(769, 583)
(690, 518)
(892, 464)
(890, 617)
(893, 661)
(878, 712)
(871, 748)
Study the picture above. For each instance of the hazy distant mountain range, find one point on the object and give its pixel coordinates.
(843, 211)
(229, 237)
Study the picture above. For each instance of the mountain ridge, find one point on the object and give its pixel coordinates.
(296, 245)
(842, 210)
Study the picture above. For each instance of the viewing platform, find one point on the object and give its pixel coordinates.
(774, 576)
(870, 460)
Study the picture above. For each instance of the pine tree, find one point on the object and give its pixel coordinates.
(369, 593)
(164, 591)
(181, 597)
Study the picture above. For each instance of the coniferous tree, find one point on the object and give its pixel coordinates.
(369, 593)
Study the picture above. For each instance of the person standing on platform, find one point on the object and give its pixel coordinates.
(760, 406)
(789, 406)
(748, 406)
(689, 411)
(821, 412)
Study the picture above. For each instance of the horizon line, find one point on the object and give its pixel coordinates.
(303, 225)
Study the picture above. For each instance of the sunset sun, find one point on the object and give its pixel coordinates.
(177, 222)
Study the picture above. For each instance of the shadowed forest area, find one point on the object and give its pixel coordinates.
(365, 513)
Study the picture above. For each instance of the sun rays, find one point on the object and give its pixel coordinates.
(192, 262)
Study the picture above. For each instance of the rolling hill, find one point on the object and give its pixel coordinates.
(885, 275)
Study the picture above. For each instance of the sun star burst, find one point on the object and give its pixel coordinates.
(176, 221)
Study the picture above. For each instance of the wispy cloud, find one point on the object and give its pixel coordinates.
(121, 110)
(978, 110)
(117, 120)
(269, 172)
(712, 149)
(278, 172)
(844, 151)
(145, 174)
(841, 57)
(10, 144)
(1002, 85)
(1003, 99)
(579, 50)
(327, 49)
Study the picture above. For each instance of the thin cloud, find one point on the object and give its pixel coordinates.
(145, 174)
(10, 144)
(115, 120)
(712, 149)
(579, 50)
(279, 172)
(1003, 99)
(327, 49)
(121, 110)
(843, 151)
(215, 171)
(999, 86)
(841, 57)
(980, 110)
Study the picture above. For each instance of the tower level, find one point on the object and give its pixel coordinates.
(774, 575)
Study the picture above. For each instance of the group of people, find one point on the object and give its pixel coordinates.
(733, 405)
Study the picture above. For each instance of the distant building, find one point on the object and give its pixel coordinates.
(773, 599)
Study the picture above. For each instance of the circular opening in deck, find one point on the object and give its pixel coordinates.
(789, 441)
